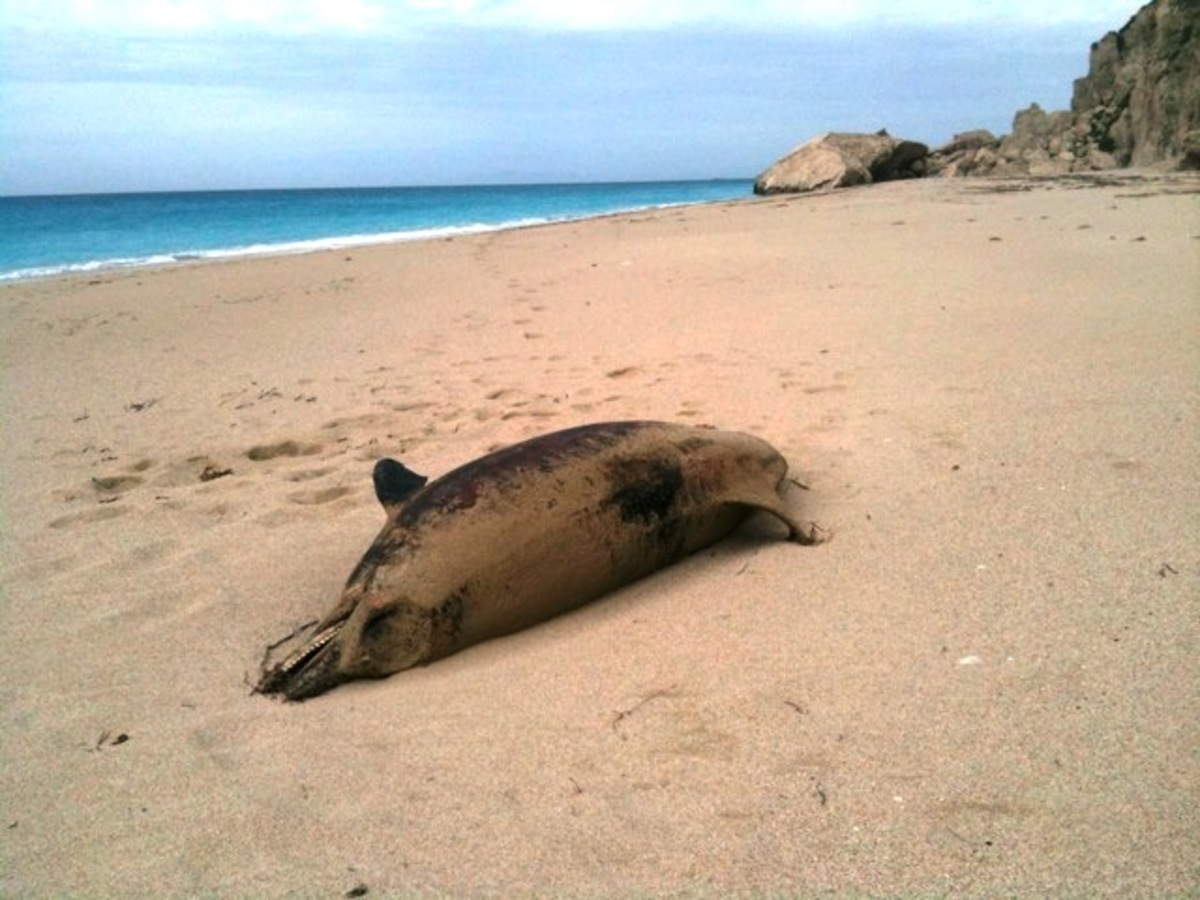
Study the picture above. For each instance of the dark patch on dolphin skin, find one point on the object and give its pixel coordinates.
(383, 549)
(462, 487)
(447, 619)
(644, 490)
(690, 445)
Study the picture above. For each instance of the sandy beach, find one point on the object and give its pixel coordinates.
(984, 684)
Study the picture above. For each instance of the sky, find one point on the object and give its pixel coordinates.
(104, 96)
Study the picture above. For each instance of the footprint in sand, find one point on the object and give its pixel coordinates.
(315, 498)
(309, 474)
(115, 485)
(154, 552)
(88, 516)
(264, 452)
(212, 472)
(190, 471)
(622, 372)
(528, 413)
(412, 407)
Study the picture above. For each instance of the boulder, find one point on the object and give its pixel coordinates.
(969, 153)
(1191, 150)
(842, 160)
(1038, 144)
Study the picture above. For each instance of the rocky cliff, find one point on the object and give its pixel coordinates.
(1138, 105)
(1141, 95)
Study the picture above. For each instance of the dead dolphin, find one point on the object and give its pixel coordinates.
(526, 533)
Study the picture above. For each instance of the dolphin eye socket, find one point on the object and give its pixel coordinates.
(391, 639)
(378, 626)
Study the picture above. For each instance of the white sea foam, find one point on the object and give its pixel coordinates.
(286, 248)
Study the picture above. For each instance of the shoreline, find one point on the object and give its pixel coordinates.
(336, 243)
(346, 241)
(979, 685)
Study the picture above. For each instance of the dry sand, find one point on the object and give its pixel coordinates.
(985, 684)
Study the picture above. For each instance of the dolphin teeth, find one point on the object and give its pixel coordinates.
(272, 680)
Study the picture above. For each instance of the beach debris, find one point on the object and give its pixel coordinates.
(819, 792)
(800, 708)
(108, 739)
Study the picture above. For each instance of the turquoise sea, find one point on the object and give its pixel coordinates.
(41, 236)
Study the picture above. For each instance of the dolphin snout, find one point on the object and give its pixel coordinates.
(316, 676)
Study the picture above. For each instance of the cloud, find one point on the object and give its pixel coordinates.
(179, 17)
(152, 94)
(773, 14)
(377, 16)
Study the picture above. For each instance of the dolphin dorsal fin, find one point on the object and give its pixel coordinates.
(395, 483)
